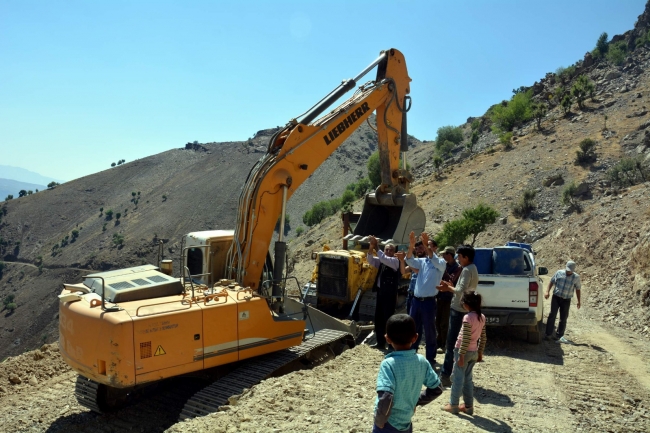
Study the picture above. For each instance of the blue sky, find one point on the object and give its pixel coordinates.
(86, 83)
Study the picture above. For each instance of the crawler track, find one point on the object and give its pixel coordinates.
(217, 394)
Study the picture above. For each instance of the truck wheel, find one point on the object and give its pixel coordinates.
(534, 334)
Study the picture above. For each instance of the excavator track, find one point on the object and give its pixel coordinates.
(217, 394)
(87, 393)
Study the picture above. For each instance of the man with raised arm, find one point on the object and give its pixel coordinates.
(387, 282)
(423, 308)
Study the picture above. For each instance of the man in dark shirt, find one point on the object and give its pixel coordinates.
(452, 272)
(387, 282)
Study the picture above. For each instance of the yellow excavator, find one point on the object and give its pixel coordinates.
(227, 310)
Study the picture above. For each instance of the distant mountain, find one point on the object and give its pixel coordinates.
(23, 175)
(10, 186)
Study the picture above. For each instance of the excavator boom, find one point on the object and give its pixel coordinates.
(302, 145)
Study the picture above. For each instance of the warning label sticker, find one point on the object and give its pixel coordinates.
(160, 351)
(244, 315)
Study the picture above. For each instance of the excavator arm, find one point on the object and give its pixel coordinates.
(298, 149)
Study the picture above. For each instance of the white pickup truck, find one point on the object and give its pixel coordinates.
(511, 287)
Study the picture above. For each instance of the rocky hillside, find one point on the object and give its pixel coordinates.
(608, 236)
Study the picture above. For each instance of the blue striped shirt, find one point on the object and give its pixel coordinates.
(565, 285)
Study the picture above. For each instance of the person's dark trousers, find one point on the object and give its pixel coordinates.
(386, 302)
(563, 305)
(387, 428)
(442, 320)
(409, 301)
(423, 311)
(455, 323)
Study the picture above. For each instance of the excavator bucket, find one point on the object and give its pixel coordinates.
(390, 217)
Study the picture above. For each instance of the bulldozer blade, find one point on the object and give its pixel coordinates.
(317, 320)
(388, 216)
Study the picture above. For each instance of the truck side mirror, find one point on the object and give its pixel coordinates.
(314, 255)
(542, 270)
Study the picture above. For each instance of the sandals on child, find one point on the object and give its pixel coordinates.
(451, 408)
(465, 409)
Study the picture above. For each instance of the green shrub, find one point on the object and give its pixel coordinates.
(118, 216)
(565, 74)
(299, 231)
(118, 240)
(507, 115)
(104, 227)
(109, 215)
(52, 185)
(437, 163)
(164, 197)
(473, 222)
(9, 197)
(347, 198)
(476, 219)
(601, 46)
(11, 307)
(566, 104)
(617, 52)
(569, 197)
(587, 152)
(8, 300)
(374, 170)
(450, 133)
(629, 171)
(525, 205)
(75, 234)
(444, 150)
(539, 112)
(582, 88)
(506, 140)
(320, 211)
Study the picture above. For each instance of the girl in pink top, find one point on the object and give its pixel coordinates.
(468, 351)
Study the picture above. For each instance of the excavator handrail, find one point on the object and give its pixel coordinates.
(109, 309)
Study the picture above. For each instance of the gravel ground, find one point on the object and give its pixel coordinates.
(599, 383)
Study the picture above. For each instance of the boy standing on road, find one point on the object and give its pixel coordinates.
(566, 282)
(401, 376)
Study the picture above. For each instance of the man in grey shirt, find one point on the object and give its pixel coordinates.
(467, 282)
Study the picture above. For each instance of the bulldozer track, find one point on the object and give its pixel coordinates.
(217, 394)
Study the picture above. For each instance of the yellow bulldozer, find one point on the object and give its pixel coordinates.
(342, 280)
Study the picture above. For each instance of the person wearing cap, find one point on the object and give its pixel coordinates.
(452, 273)
(566, 282)
(387, 283)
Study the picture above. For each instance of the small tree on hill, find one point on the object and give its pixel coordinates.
(582, 88)
(569, 197)
(566, 104)
(587, 152)
(476, 219)
(539, 112)
(453, 233)
(437, 163)
(601, 46)
(525, 205)
(22, 193)
(374, 170)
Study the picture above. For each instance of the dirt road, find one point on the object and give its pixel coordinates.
(601, 382)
